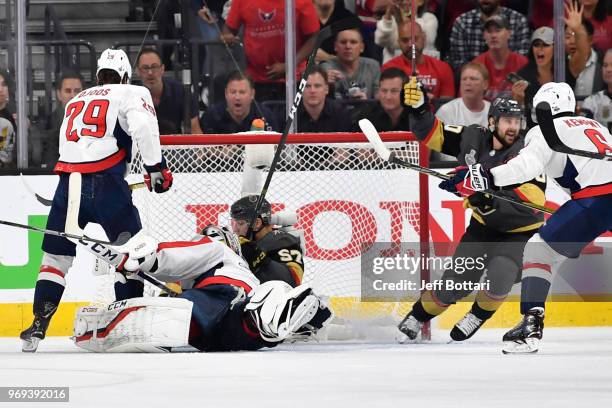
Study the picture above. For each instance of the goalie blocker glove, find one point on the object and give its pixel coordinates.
(158, 177)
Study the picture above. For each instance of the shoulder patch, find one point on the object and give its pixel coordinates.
(278, 240)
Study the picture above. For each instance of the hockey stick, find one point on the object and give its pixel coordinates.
(122, 239)
(322, 35)
(373, 137)
(547, 126)
(47, 202)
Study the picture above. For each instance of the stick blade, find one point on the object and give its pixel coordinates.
(373, 137)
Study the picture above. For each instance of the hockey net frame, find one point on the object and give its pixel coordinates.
(209, 157)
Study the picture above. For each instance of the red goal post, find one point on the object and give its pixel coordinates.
(343, 194)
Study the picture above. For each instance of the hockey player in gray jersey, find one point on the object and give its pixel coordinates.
(222, 306)
(273, 254)
(498, 230)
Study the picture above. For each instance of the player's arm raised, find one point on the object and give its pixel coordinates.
(426, 127)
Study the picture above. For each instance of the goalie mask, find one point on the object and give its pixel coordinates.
(223, 234)
(281, 312)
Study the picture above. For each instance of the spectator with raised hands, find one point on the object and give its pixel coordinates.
(589, 79)
(386, 28)
(351, 75)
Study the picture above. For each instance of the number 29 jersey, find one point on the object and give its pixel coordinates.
(581, 177)
(100, 124)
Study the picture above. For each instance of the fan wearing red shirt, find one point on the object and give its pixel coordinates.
(499, 60)
(264, 40)
(435, 75)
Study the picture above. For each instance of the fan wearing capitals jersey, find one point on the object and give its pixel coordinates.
(96, 137)
(576, 223)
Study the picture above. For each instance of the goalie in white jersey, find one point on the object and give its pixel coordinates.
(222, 306)
(576, 223)
(96, 137)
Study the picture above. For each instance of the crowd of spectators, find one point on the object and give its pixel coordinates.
(468, 52)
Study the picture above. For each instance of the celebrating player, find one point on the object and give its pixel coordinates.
(503, 227)
(273, 254)
(95, 140)
(576, 223)
(230, 310)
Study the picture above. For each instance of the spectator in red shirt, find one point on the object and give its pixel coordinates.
(499, 60)
(435, 75)
(264, 40)
(595, 11)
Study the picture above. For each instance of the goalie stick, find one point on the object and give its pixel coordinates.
(322, 35)
(373, 137)
(547, 126)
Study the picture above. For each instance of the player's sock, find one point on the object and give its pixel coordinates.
(534, 291)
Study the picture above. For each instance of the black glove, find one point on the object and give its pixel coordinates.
(482, 201)
(158, 177)
(254, 256)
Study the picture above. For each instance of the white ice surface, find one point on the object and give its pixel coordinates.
(572, 369)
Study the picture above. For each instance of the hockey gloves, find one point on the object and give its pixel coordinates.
(254, 256)
(158, 177)
(465, 180)
(414, 97)
(482, 201)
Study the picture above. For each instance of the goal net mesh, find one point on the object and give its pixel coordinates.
(344, 195)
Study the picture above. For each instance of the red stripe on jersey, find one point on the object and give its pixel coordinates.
(593, 191)
(182, 244)
(546, 267)
(105, 332)
(50, 269)
(90, 167)
(223, 280)
(521, 195)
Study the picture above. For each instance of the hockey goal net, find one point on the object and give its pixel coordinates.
(344, 196)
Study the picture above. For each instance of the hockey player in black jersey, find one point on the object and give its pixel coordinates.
(273, 254)
(498, 230)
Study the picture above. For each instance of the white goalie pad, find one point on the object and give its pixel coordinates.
(147, 325)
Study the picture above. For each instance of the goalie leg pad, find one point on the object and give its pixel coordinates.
(134, 325)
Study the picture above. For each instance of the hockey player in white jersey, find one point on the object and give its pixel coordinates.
(576, 223)
(229, 309)
(96, 137)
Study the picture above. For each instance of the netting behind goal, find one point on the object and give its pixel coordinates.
(345, 197)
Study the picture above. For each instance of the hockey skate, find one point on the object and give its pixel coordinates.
(36, 332)
(525, 337)
(409, 329)
(466, 327)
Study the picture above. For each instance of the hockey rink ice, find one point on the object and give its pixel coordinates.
(572, 369)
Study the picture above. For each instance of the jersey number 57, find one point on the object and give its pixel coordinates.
(93, 117)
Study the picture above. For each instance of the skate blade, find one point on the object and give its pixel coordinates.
(30, 345)
(530, 346)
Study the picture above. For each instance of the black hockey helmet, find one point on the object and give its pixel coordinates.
(244, 209)
(503, 107)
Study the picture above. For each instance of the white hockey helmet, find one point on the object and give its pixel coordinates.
(559, 96)
(116, 60)
(224, 235)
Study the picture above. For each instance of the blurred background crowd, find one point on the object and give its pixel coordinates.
(213, 66)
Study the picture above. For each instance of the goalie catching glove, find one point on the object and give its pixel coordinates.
(413, 97)
(158, 177)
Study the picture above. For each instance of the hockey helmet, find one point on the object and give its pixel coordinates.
(559, 96)
(244, 209)
(503, 107)
(115, 60)
(224, 235)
